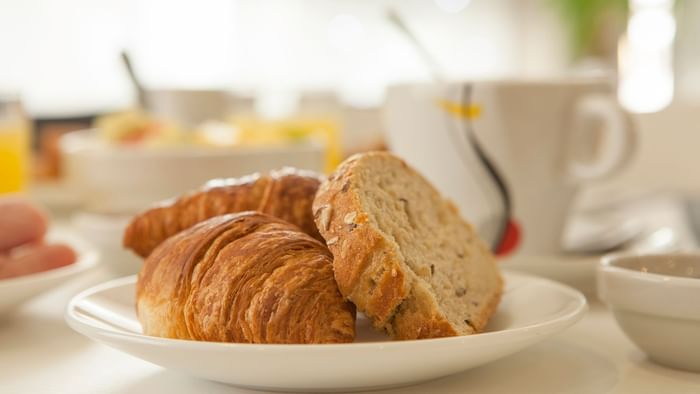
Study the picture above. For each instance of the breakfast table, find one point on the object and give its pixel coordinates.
(41, 354)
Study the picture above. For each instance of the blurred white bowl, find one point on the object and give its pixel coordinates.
(126, 179)
(655, 301)
(105, 232)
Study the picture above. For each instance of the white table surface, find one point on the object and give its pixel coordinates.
(39, 353)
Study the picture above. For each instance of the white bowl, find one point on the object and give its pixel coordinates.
(126, 179)
(655, 300)
(105, 232)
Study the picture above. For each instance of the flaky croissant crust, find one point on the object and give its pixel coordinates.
(247, 278)
(286, 194)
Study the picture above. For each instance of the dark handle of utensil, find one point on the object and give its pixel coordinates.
(140, 90)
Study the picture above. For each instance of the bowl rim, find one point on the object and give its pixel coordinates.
(607, 264)
(652, 294)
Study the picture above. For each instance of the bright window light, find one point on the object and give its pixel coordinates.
(651, 29)
(645, 56)
(452, 6)
(345, 31)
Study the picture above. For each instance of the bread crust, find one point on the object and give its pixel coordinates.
(247, 278)
(287, 193)
(367, 265)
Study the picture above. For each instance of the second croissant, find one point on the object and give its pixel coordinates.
(286, 194)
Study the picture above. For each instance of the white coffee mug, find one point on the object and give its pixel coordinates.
(545, 138)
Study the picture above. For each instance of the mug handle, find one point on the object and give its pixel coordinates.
(622, 135)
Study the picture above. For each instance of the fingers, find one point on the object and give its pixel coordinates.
(20, 223)
(36, 259)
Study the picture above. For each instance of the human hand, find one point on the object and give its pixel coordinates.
(22, 248)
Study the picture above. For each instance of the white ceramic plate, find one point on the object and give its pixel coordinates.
(531, 310)
(15, 291)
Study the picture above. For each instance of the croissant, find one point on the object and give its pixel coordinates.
(286, 194)
(246, 278)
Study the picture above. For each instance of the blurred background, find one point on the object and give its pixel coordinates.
(109, 105)
(563, 130)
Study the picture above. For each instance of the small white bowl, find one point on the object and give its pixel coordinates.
(656, 302)
(104, 231)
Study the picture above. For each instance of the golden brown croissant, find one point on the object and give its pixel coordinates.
(286, 194)
(247, 278)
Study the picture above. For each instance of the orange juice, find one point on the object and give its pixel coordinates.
(14, 156)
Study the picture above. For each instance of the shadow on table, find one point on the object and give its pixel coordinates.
(660, 372)
(175, 383)
(552, 367)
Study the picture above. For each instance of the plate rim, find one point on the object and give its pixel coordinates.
(83, 325)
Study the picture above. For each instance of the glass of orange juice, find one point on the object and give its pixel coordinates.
(14, 146)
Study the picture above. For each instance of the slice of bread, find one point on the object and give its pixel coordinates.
(402, 253)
